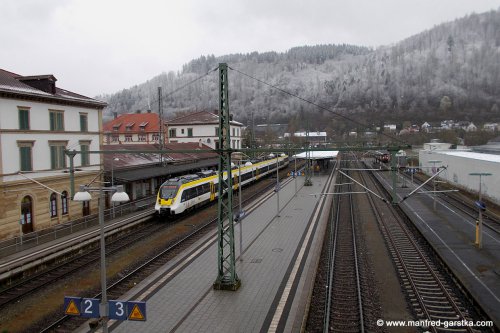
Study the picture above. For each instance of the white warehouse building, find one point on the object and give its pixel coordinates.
(460, 164)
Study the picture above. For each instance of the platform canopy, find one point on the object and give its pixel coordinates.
(318, 155)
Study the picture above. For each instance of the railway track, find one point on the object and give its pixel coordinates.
(430, 293)
(342, 292)
(127, 280)
(344, 302)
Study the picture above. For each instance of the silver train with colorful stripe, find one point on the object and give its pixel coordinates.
(187, 192)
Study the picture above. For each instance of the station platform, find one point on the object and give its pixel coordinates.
(452, 235)
(276, 268)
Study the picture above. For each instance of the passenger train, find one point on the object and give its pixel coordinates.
(183, 193)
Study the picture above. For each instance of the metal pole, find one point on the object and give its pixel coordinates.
(112, 185)
(480, 217)
(240, 219)
(160, 115)
(104, 300)
(295, 174)
(277, 187)
(434, 182)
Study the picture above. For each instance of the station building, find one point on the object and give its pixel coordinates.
(38, 122)
(461, 164)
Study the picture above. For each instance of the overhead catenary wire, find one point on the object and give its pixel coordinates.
(312, 103)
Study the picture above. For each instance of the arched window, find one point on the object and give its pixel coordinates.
(53, 205)
(27, 214)
(64, 203)
(208, 140)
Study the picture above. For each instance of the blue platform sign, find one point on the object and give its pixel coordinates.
(72, 305)
(118, 310)
(136, 311)
(90, 308)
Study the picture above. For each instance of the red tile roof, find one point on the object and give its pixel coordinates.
(134, 120)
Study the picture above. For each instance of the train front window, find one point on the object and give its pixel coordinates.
(168, 191)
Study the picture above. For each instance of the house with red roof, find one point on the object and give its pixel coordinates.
(134, 128)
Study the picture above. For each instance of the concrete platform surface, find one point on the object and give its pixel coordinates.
(277, 269)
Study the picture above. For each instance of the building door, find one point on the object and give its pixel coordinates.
(27, 214)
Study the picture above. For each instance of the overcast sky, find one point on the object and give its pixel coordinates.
(103, 46)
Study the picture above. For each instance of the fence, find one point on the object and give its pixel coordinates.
(27, 241)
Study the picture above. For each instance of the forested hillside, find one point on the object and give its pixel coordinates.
(451, 71)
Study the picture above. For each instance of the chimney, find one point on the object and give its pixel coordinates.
(138, 111)
(115, 115)
(149, 110)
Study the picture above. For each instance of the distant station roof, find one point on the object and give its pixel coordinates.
(137, 166)
(318, 155)
(158, 171)
(472, 155)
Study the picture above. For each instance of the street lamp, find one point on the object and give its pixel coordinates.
(481, 206)
(434, 162)
(118, 196)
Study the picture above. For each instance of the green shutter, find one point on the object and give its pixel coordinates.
(24, 120)
(60, 121)
(25, 155)
(62, 156)
(52, 124)
(53, 155)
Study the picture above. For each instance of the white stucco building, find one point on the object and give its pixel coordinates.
(38, 122)
(459, 166)
(202, 127)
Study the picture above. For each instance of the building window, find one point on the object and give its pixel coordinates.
(156, 136)
(84, 126)
(172, 133)
(25, 155)
(190, 132)
(57, 157)
(182, 130)
(24, 118)
(129, 126)
(142, 137)
(56, 120)
(216, 131)
(128, 137)
(208, 140)
(85, 156)
(25, 158)
(115, 138)
(234, 132)
(64, 202)
(53, 205)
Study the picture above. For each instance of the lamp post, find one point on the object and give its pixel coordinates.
(480, 206)
(118, 196)
(434, 162)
